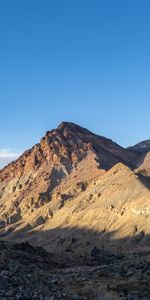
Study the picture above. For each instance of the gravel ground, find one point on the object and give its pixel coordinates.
(32, 273)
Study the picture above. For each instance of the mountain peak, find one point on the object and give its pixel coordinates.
(64, 125)
(141, 148)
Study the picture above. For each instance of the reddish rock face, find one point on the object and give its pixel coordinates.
(66, 146)
(62, 165)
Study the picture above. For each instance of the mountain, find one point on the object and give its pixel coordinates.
(141, 148)
(143, 162)
(70, 174)
(65, 157)
(78, 199)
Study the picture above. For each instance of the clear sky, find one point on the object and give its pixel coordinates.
(85, 61)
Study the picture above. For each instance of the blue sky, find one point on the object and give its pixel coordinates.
(85, 61)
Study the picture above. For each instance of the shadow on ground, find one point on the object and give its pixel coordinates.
(74, 245)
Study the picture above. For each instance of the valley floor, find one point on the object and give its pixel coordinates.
(28, 272)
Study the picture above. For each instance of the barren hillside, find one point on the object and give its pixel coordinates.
(86, 201)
